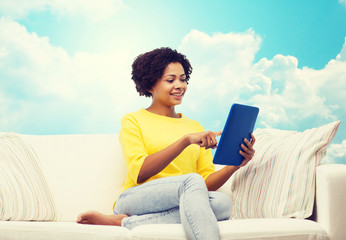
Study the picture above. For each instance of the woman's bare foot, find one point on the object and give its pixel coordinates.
(93, 217)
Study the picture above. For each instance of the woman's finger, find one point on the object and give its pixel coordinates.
(245, 155)
(203, 142)
(246, 149)
(209, 142)
(217, 133)
(248, 144)
(214, 141)
(253, 139)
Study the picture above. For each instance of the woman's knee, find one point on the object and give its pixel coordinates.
(221, 204)
(193, 182)
(194, 179)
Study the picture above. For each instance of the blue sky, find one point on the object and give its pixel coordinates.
(65, 65)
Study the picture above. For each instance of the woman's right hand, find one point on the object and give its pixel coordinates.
(204, 139)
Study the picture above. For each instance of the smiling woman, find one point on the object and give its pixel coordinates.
(168, 157)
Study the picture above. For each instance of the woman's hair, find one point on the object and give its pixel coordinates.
(149, 67)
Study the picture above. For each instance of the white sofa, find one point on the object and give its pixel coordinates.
(87, 172)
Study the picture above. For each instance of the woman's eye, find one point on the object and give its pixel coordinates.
(170, 80)
(183, 80)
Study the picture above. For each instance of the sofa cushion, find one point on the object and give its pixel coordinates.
(60, 230)
(84, 172)
(280, 179)
(241, 229)
(24, 193)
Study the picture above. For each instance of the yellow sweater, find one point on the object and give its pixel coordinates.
(144, 133)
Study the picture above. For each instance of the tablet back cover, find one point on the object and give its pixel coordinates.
(239, 125)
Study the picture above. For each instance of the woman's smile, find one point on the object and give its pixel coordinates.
(178, 95)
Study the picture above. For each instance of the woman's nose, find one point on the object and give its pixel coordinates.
(178, 84)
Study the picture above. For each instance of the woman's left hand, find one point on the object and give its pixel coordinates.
(248, 151)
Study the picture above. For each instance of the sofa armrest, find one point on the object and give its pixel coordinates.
(331, 199)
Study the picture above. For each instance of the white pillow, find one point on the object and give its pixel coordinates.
(24, 194)
(280, 179)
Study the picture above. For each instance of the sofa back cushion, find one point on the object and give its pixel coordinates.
(83, 172)
(280, 179)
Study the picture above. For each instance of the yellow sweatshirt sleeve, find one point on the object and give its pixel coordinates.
(133, 147)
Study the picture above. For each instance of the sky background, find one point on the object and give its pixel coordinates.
(65, 66)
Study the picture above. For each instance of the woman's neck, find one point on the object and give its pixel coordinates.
(164, 111)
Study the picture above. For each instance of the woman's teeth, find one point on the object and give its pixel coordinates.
(178, 94)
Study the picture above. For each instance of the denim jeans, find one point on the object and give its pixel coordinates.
(179, 199)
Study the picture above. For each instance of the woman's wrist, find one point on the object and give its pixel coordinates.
(232, 168)
(187, 140)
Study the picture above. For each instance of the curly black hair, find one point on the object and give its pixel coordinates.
(149, 67)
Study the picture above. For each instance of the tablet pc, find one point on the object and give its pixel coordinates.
(239, 125)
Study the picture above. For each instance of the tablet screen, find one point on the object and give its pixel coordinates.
(239, 125)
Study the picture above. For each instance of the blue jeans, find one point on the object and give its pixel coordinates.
(180, 199)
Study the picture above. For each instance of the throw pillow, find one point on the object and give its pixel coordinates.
(24, 193)
(280, 179)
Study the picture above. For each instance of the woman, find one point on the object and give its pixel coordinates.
(171, 177)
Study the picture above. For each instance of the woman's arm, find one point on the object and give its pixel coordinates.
(155, 163)
(215, 180)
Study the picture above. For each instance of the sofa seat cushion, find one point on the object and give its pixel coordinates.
(15, 230)
(265, 229)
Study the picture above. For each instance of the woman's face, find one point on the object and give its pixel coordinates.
(171, 87)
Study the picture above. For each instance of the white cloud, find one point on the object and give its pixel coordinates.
(94, 10)
(342, 2)
(20, 8)
(297, 95)
(288, 97)
(41, 84)
(336, 153)
(221, 66)
(32, 57)
(342, 55)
